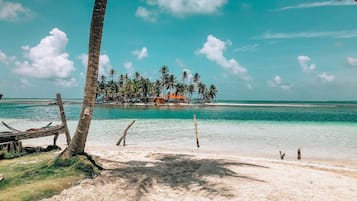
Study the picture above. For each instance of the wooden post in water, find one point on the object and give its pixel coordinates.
(282, 155)
(299, 154)
(196, 130)
(63, 118)
(122, 138)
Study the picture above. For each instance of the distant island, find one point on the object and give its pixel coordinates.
(138, 89)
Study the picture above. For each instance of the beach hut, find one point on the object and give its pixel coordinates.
(159, 100)
(176, 98)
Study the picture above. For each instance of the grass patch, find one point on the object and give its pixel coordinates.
(38, 176)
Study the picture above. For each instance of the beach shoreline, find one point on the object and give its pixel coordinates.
(134, 173)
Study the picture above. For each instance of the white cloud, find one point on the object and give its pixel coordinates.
(213, 48)
(352, 61)
(326, 77)
(247, 48)
(3, 57)
(304, 64)
(48, 59)
(104, 63)
(10, 11)
(141, 54)
(147, 15)
(277, 82)
(317, 34)
(178, 8)
(320, 4)
(128, 65)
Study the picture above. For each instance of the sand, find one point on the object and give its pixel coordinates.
(152, 174)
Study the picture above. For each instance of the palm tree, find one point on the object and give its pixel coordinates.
(201, 89)
(111, 73)
(184, 75)
(196, 78)
(212, 92)
(79, 139)
(164, 77)
(191, 90)
(171, 82)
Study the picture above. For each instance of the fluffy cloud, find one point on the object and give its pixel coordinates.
(10, 11)
(179, 8)
(141, 54)
(320, 4)
(188, 7)
(213, 49)
(350, 60)
(304, 64)
(48, 59)
(278, 83)
(147, 15)
(326, 77)
(104, 63)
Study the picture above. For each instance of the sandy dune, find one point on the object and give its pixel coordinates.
(133, 174)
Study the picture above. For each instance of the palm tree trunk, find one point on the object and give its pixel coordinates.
(78, 142)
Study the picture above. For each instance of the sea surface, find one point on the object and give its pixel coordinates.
(323, 130)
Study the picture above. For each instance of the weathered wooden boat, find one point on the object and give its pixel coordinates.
(10, 140)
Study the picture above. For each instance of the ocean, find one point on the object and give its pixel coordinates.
(322, 130)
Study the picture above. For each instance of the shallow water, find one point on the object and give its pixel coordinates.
(320, 130)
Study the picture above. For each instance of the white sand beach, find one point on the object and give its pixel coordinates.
(156, 174)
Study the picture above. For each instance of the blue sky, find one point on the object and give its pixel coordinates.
(250, 49)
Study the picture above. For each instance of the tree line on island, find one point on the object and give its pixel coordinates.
(138, 89)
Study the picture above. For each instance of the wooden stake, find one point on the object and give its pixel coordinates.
(196, 130)
(282, 155)
(63, 118)
(299, 154)
(124, 134)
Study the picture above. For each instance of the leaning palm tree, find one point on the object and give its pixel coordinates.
(79, 139)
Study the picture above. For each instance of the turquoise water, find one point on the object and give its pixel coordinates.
(322, 130)
(260, 111)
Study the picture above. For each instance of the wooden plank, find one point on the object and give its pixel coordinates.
(63, 118)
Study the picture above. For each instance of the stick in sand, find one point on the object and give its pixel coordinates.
(299, 154)
(195, 122)
(124, 134)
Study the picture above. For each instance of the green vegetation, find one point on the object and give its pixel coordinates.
(37, 176)
(138, 89)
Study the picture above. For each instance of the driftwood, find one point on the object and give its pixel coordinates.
(122, 138)
(196, 131)
(11, 140)
(9, 127)
(282, 155)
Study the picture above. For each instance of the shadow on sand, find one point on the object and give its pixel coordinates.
(179, 172)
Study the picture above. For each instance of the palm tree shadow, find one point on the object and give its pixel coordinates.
(177, 172)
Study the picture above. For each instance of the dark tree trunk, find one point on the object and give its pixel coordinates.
(78, 141)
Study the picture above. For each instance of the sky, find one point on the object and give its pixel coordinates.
(249, 49)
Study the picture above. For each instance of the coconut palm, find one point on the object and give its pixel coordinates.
(196, 78)
(79, 139)
(191, 90)
(201, 90)
(184, 75)
(171, 81)
(112, 73)
(212, 91)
